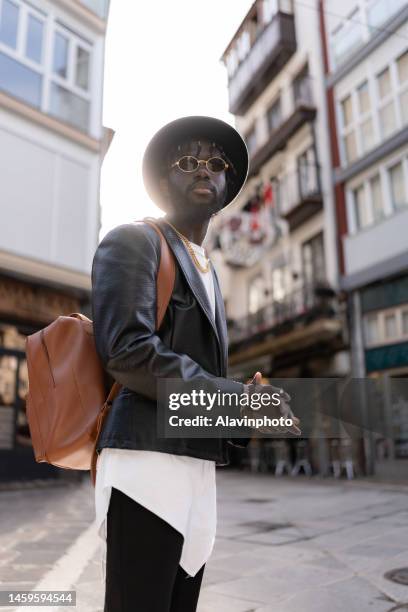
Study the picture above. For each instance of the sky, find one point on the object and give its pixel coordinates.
(162, 62)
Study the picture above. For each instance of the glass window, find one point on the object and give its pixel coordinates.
(34, 42)
(243, 45)
(9, 23)
(360, 207)
(256, 294)
(404, 106)
(347, 38)
(376, 197)
(347, 111)
(380, 10)
(20, 81)
(313, 260)
(390, 325)
(396, 175)
(350, 147)
(60, 63)
(404, 315)
(372, 335)
(278, 284)
(387, 112)
(384, 83)
(302, 89)
(69, 107)
(387, 119)
(307, 173)
(232, 62)
(363, 98)
(269, 9)
(274, 115)
(367, 135)
(82, 68)
(251, 141)
(402, 67)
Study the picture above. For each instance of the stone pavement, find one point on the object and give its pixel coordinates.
(283, 545)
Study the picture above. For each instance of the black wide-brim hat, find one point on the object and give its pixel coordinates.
(175, 133)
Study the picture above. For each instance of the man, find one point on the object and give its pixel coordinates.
(158, 493)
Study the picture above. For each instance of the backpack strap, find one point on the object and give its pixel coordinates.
(165, 284)
(165, 276)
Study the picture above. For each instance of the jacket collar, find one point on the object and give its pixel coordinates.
(197, 287)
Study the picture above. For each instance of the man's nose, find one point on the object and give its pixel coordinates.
(202, 170)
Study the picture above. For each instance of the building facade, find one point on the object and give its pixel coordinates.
(275, 247)
(52, 143)
(365, 54)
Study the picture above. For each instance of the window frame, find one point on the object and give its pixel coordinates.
(347, 130)
(69, 82)
(354, 19)
(403, 160)
(394, 96)
(258, 276)
(363, 117)
(388, 99)
(18, 53)
(400, 88)
(379, 171)
(381, 315)
(277, 101)
(51, 25)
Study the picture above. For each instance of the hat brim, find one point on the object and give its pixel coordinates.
(177, 131)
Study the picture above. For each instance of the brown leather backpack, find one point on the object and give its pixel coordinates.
(67, 403)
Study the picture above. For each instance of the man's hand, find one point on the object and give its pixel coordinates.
(274, 412)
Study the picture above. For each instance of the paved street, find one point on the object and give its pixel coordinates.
(283, 545)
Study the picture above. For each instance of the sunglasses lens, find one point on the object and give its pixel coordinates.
(216, 164)
(188, 163)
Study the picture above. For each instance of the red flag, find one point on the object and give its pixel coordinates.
(268, 194)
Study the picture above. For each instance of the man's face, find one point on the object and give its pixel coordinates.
(200, 194)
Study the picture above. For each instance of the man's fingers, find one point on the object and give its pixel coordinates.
(255, 380)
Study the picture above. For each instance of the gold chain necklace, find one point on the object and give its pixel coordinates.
(190, 249)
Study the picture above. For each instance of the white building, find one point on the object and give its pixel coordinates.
(276, 246)
(52, 144)
(277, 94)
(367, 87)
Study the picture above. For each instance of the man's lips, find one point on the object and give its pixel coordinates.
(202, 187)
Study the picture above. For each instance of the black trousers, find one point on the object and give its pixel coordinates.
(142, 562)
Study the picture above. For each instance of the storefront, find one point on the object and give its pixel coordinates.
(385, 327)
(24, 309)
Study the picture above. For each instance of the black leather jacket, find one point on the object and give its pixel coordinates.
(188, 345)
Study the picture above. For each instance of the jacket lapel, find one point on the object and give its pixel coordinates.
(220, 319)
(197, 287)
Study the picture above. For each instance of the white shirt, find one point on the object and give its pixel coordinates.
(179, 489)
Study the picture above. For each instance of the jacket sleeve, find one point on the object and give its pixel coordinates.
(124, 314)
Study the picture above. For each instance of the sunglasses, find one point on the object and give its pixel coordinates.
(188, 163)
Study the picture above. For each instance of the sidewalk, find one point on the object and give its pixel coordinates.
(283, 545)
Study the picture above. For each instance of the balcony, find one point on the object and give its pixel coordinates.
(306, 317)
(270, 52)
(299, 195)
(301, 111)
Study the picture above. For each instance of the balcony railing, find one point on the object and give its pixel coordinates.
(313, 300)
(270, 52)
(298, 195)
(301, 110)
